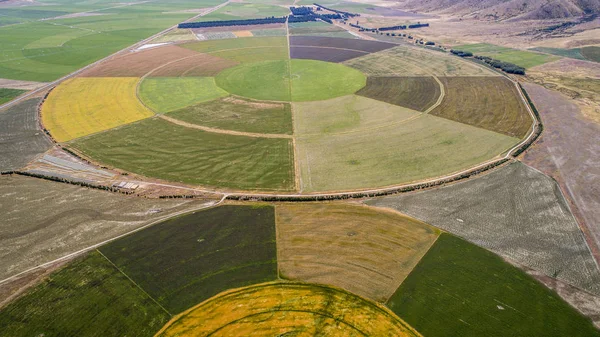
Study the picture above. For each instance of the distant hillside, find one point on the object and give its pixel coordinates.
(505, 9)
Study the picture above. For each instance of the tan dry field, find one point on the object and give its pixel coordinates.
(196, 65)
(44, 220)
(287, 309)
(363, 250)
(243, 33)
(139, 63)
(569, 152)
(22, 85)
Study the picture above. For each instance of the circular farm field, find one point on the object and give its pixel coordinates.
(314, 115)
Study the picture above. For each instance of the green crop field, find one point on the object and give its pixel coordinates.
(402, 151)
(591, 53)
(411, 61)
(318, 28)
(234, 11)
(459, 289)
(570, 53)
(157, 148)
(246, 49)
(525, 59)
(89, 297)
(46, 50)
(7, 95)
(418, 93)
(492, 103)
(186, 260)
(239, 115)
(164, 94)
(310, 80)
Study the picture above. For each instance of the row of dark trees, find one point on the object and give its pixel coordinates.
(505, 66)
(225, 23)
(67, 181)
(539, 129)
(301, 10)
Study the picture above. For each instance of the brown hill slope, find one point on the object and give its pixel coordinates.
(506, 9)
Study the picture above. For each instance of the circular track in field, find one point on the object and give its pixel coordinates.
(287, 309)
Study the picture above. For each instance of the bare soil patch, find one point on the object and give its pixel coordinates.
(360, 249)
(324, 53)
(333, 42)
(196, 65)
(417, 93)
(569, 151)
(137, 64)
(22, 85)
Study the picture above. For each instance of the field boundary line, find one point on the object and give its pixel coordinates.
(440, 99)
(132, 281)
(221, 131)
(94, 246)
(117, 53)
(297, 177)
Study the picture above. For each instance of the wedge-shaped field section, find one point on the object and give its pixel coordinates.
(353, 142)
(164, 94)
(186, 260)
(246, 49)
(410, 61)
(160, 149)
(202, 65)
(540, 232)
(139, 63)
(465, 289)
(491, 103)
(89, 297)
(332, 49)
(82, 106)
(417, 93)
(363, 250)
(295, 80)
(278, 309)
(20, 137)
(237, 114)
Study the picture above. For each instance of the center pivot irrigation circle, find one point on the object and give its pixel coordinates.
(291, 80)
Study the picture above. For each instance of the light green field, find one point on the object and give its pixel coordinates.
(525, 59)
(370, 151)
(246, 49)
(410, 61)
(159, 149)
(239, 115)
(311, 80)
(164, 94)
(176, 35)
(250, 10)
(46, 50)
(266, 80)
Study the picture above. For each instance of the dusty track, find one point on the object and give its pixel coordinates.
(227, 132)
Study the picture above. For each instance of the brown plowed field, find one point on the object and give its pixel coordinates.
(199, 65)
(491, 103)
(139, 63)
(417, 93)
(324, 54)
(362, 250)
(335, 42)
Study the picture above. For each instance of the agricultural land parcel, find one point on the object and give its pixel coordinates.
(21, 139)
(569, 151)
(200, 255)
(540, 232)
(44, 50)
(362, 250)
(417, 93)
(202, 65)
(491, 103)
(318, 28)
(160, 149)
(90, 297)
(410, 61)
(78, 107)
(239, 115)
(164, 94)
(469, 291)
(364, 153)
(236, 11)
(525, 59)
(276, 309)
(47, 220)
(247, 49)
(7, 95)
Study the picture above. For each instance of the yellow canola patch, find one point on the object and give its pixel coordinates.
(282, 308)
(82, 106)
(243, 33)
